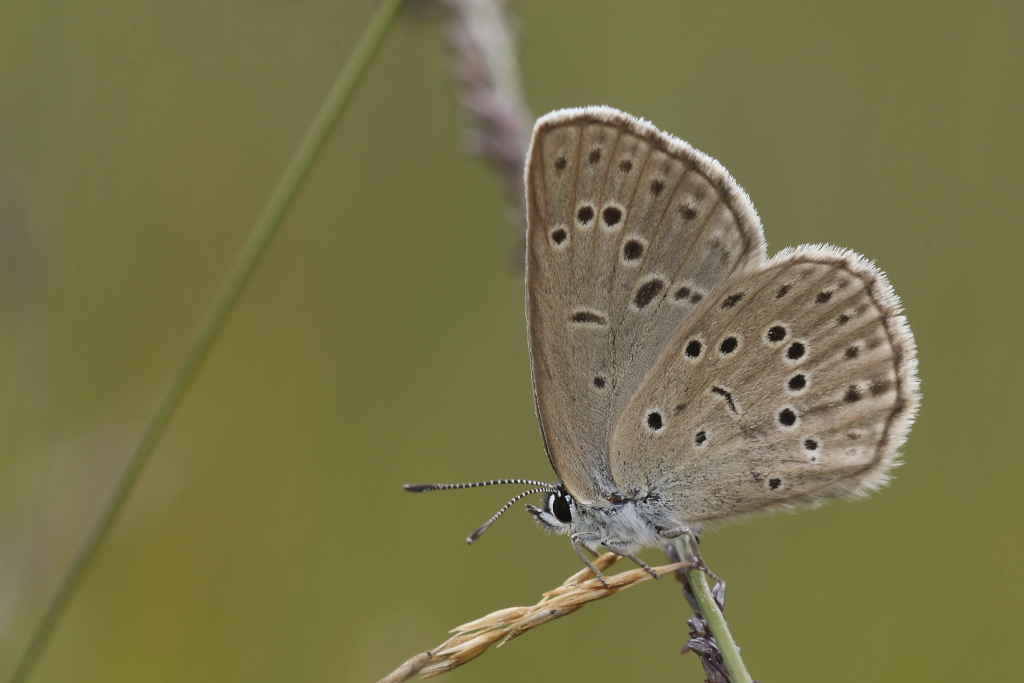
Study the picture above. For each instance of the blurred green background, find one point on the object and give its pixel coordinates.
(383, 338)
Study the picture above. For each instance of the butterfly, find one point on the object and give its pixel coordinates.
(680, 375)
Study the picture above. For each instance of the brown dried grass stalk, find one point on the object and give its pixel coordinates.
(472, 639)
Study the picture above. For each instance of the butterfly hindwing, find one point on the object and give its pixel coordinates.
(792, 383)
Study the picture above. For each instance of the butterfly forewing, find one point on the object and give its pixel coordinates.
(630, 230)
(791, 383)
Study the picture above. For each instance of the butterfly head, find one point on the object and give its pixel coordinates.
(615, 521)
(559, 513)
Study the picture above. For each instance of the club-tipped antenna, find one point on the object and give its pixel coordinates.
(487, 525)
(417, 488)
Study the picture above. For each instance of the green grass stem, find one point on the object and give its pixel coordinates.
(719, 629)
(224, 302)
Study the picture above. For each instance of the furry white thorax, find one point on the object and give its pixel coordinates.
(621, 527)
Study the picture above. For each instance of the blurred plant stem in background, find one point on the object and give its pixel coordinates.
(234, 284)
(487, 73)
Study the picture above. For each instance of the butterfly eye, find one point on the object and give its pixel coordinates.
(560, 508)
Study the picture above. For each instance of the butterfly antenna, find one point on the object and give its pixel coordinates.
(542, 486)
(416, 488)
(480, 532)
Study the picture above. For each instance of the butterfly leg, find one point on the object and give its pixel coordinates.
(687, 548)
(576, 546)
(643, 565)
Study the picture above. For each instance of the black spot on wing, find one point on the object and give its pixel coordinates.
(732, 300)
(724, 393)
(587, 317)
(728, 345)
(647, 292)
(611, 215)
(632, 250)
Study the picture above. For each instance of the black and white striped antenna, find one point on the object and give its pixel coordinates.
(542, 486)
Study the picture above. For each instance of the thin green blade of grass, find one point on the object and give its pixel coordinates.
(255, 245)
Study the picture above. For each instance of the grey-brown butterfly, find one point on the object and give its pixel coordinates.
(680, 375)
